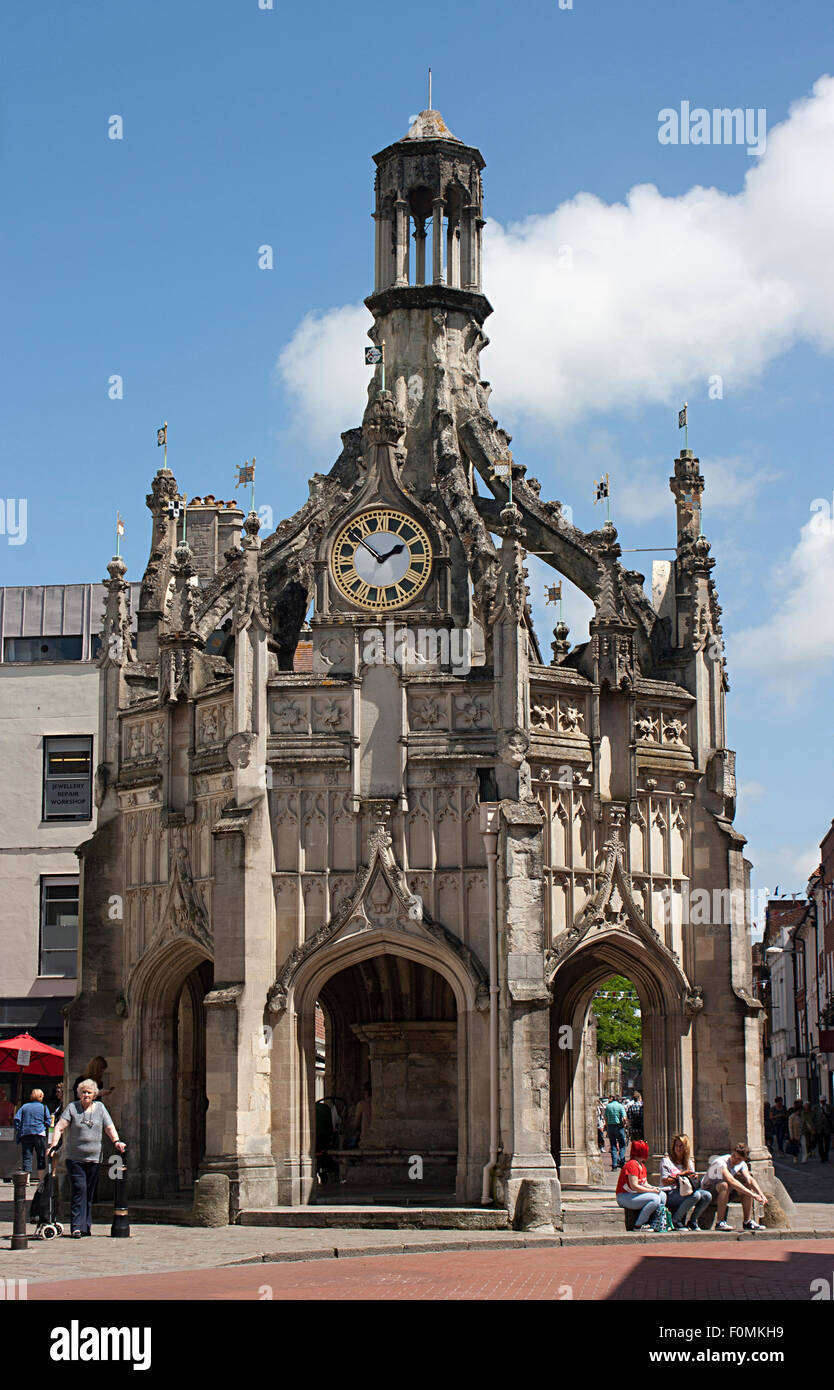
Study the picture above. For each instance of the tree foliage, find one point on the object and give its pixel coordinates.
(617, 1011)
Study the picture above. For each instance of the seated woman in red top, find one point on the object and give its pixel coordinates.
(633, 1191)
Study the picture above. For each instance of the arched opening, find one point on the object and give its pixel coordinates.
(191, 1100)
(391, 1086)
(615, 1018)
(665, 1080)
(165, 1067)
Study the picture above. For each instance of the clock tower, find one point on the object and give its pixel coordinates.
(374, 852)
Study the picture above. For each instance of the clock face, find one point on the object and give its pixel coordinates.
(381, 559)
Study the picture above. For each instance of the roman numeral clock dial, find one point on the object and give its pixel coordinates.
(381, 559)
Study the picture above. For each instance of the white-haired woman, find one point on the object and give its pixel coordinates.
(85, 1120)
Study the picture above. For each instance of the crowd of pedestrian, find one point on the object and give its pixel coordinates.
(620, 1118)
(800, 1130)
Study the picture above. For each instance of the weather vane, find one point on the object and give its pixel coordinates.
(553, 594)
(246, 474)
(503, 468)
(602, 493)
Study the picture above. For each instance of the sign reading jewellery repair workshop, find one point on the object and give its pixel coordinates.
(67, 790)
(68, 796)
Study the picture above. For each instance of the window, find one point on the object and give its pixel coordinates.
(43, 649)
(59, 926)
(67, 778)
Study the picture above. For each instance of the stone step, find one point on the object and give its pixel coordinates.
(380, 1218)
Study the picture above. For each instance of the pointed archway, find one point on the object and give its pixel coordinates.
(165, 1039)
(611, 936)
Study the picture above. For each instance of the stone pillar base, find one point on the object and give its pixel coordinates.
(541, 1203)
(780, 1210)
(211, 1200)
(252, 1181)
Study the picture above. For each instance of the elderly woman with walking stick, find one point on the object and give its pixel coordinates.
(85, 1121)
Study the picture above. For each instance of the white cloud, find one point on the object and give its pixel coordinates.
(660, 293)
(751, 791)
(786, 867)
(731, 482)
(796, 639)
(323, 369)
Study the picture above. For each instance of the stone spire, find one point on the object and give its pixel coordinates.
(116, 643)
(179, 636)
(157, 574)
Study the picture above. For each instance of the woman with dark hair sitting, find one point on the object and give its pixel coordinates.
(635, 1193)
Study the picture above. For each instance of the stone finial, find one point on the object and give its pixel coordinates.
(560, 645)
(116, 638)
(430, 125)
(383, 422)
(511, 517)
(252, 525)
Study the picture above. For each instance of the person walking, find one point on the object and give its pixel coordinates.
(794, 1145)
(779, 1120)
(808, 1133)
(31, 1125)
(685, 1197)
(823, 1124)
(85, 1121)
(615, 1120)
(635, 1193)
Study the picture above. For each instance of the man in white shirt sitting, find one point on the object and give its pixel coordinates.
(729, 1172)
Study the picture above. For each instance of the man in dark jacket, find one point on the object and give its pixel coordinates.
(823, 1124)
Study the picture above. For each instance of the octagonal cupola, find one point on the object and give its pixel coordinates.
(429, 191)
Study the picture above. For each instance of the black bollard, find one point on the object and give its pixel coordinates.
(19, 1240)
(120, 1228)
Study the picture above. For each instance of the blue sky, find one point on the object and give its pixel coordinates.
(246, 126)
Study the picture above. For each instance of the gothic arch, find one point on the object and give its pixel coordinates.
(150, 1053)
(666, 1003)
(296, 1093)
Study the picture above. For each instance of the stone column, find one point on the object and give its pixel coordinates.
(526, 1171)
(437, 241)
(402, 248)
(453, 254)
(379, 223)
(420, 254)
(467, 250)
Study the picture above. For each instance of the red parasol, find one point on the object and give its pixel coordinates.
(41, 1059)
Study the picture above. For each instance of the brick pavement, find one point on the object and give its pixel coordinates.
(757, 1272)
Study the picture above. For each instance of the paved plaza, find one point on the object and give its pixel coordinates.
(740, 1271)
(176, 1261)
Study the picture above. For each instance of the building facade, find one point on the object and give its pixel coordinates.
(439, 834)
(49, 694)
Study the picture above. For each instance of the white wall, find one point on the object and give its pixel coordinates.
(38, 699)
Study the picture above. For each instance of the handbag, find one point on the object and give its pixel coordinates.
(685, 1187)
(792, 1147)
